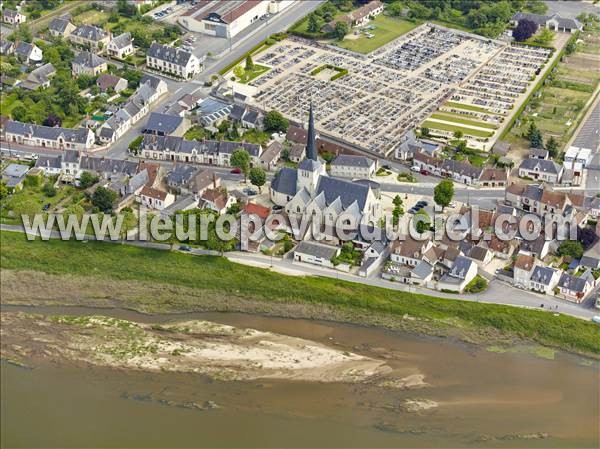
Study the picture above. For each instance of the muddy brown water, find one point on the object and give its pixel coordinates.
(484, 399)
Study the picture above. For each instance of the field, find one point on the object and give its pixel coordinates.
(386, 29)
(214, 276)
(449, 117)
(563, 101)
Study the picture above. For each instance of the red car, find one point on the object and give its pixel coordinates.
(424, 172)
(236, 170)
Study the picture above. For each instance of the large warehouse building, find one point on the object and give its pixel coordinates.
(227, 18)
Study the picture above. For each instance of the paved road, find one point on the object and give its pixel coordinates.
(498, 293)
(240, 46)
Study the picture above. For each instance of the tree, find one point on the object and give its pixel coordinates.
(443, 193)
(241, 159)
(552, 147)
(135, 145)
(397, 201)
(19, 113)
(458, 134)
(424, 131)
(103, 199)
(87, 179)
(524, 30)
(249, 63)
(570, 248)
(341, 29)
(315, 23)
(239, 71)
(3, 190)
(73, 209)
(534, 136)
(49, 190)
(422, 223)
(586, 236)
(52, 120)
(275, 122)
(258, 177)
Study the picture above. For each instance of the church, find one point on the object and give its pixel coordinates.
(310, 190)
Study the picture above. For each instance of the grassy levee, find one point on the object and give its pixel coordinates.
(107, 261)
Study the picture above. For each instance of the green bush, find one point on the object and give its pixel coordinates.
(477, 285)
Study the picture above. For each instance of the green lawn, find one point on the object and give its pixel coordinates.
(213, 274)
(386, 29)
(249, 75)
(447, 127)
(448, 116)
(467, 107)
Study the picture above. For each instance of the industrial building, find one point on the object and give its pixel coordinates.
(227, 19)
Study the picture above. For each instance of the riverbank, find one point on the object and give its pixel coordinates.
(113, 275)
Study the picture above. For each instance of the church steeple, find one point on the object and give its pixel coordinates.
(311, 138)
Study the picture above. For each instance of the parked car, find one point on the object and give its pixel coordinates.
(277, 207)
(46, 207)
(236, 170)
(424, 172)
(415, 168)
(422, 203)
(185, 248)
(248, 191)
(412, 210)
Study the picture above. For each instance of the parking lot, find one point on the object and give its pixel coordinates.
(384, 93)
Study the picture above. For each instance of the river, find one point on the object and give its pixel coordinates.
(478, 398)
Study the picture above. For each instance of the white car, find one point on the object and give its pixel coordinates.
(415, 168)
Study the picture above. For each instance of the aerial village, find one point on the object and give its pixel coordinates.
(124, 106)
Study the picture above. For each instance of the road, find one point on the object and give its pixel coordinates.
(239, 47)
(497, 292)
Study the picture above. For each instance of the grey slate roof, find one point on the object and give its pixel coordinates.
(542, 275)
(87, 59)
(285, 181)
(169, 54)
(316, 249)
(24, 49)
(108, 165)
(574, 283)
(180, 145)
(90, 32)
(590, 262)
(153, 81)
(15, 170)
(309, 165)
(59, 24)
(533, 192)
(540, 19)
(346, 160)
(461, 168)
(422, 270)
(162, 123)
(461, 267)
(122, 40)
(75, 135)
(181, 174)
(48, 162)
(347, 191)
(541, 165)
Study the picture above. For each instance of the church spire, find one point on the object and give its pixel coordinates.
(311, 144)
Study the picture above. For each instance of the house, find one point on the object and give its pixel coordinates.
(541, 169)
(409, 251)
(14, 17)
(539, 247)
(297, 152)
(522, 268)
(87, 63)
(61, 27)
(493, 177)
(157, 85)
(544, 279)
(107, 81)
(166, 125)
(39, 78)
(246, 117)
(358, 17)
(28, 53)
(121, 46)
(173, 61)
(51, 165)
(315, 253)
(461, 171)
(346, 166)
(409, 144)
(209, 152)
(13, 176)
(271, 155)
(422, 274)
(217, 200)
(481, 255)
(590, 262)
(575, 288)
(6, 47)
(462, 272)
(49, 137)
(184, 104)
(189, 179)
(90, 36)
(426, 162)
(503, 249)
(554, 22)
(155, 199)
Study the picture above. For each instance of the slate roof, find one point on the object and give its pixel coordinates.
(347, 160)
(478, 253)
(122, 40)
(285, 181)
(181, 174)
(164, 123)
(573, 283)
(316, 249)
(347, 191)
(169, 54)
(24, 48)
(461, 168)
(460, 268)
(271, 152)
(9, 13)
(422, 270)
(590, 262)
(542, 275)
(153, 81)
(59, 24)
(48, 162)
(309, 165)
(541, 165)
(90, 32)
(88, 59)
(6, 46)
(106, 81)
(75, 135)
(15, 170)
(108, 165)
(39, 76)
(539, 19)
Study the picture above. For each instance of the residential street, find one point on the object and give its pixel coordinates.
(495, 294)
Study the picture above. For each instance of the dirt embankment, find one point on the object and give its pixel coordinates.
(219, 351)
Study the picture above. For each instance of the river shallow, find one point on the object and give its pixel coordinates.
(477, 398)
